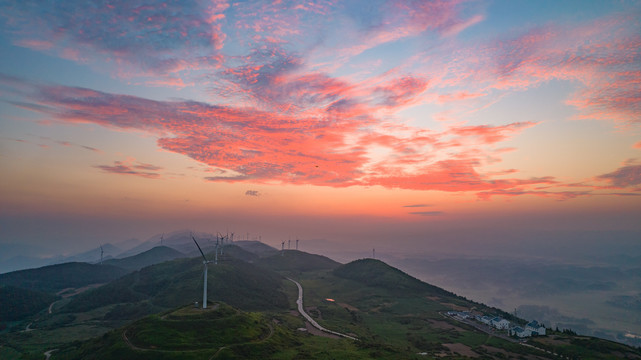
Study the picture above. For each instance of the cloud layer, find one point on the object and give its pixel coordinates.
(298, 95)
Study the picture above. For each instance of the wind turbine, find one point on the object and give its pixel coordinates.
(101, 252)
(205, 263)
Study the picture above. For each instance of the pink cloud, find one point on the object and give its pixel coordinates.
(401, 91)
(491, 134)
(251, 145)
(623, 177)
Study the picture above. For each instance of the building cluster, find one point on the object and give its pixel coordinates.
(533, 328)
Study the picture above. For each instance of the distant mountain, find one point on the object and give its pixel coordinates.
(297, 261)
(125, 245)
(91, 256)
(54, 278)
(178, 240)
(257, 247)
(152, 256)
(18, 303)
(20, 262)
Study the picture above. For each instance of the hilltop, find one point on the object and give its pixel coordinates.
(297, 261)
(256, 247)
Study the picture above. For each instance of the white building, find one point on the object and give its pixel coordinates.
(535, 328)
(500, 323)
(520, 332)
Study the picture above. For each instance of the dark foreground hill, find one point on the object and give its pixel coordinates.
(54, 278)
(152, 256)
(18, 303)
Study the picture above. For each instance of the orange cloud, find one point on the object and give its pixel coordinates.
(329, 149)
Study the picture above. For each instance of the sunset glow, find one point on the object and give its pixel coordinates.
(158, 115)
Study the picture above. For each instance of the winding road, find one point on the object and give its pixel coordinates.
(301, 310)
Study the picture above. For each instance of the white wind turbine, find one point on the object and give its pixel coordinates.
(205, 263)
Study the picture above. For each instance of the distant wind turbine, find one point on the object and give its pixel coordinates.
(205, 263)
(101, 253)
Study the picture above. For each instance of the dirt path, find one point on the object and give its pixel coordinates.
(28, 327)
(51, 306)
(301, 310)
(48, 353)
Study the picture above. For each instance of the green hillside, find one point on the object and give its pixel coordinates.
(152, 256)
(18, 303)
(376, 273)
(179, 282)
(54, 278)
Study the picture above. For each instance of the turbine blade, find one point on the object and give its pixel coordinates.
(199, 249)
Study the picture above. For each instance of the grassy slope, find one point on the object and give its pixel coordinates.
(175, 283)
(54, 278)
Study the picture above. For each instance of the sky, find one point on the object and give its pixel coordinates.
(429, 125)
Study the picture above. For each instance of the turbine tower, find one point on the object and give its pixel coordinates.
(101, 252)
(205, 263)
(296, 244)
